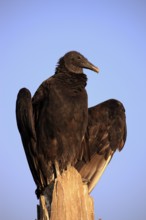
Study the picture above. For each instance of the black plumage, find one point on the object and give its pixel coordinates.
(58, 130)
(53, 123)
(106, 132)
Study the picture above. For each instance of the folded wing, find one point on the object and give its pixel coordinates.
(26, 126)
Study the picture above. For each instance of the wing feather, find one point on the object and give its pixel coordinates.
(26, 127)
(105, 134)
(24, 113)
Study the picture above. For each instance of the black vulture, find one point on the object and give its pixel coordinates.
(58, 130)
(53, 123)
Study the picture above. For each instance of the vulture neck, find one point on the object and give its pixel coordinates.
(71, 79)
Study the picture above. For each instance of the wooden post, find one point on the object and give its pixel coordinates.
(70, 199)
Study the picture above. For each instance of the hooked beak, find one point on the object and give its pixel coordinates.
(95, 69)
(91, 67)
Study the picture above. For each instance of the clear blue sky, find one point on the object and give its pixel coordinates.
(112, 35)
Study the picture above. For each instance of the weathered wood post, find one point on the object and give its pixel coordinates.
(70, 199)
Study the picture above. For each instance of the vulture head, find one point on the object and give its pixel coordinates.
(75, 62)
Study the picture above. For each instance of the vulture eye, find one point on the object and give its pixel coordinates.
(79, 58)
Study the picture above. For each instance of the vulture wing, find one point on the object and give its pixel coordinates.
(26, 126)
(106, 133)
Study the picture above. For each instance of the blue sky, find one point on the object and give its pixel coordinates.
(112, 35)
